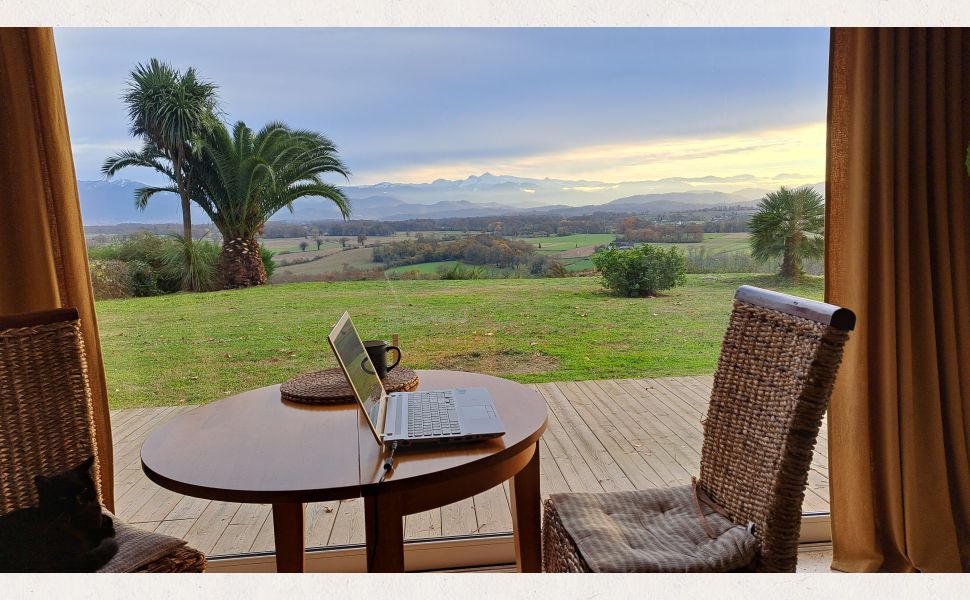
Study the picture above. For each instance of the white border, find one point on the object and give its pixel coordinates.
(483, 13)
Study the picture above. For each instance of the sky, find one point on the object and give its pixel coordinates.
(408, 105)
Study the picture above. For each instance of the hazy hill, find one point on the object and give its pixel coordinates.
(106, 203)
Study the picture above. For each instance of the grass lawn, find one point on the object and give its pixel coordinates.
(196, 348)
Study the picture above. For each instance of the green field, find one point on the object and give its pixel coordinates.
(717, 243)
(572, 250)
(196, 348)
(423, 268)
(569, 242)
(293, 244)
(357, 258)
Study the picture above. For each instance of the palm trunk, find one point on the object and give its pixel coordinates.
(186, 221)
(791, 267)
(240, 264)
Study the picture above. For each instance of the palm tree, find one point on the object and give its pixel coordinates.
(789, 223)
(167, 109)
(244, 178)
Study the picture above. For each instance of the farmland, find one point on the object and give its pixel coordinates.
(572, 251)
(199, 347)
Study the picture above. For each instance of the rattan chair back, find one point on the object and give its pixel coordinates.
(772, 386)
(46, 415)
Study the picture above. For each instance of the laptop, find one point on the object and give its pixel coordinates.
(406, 418)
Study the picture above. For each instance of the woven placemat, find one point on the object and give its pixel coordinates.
(330, 386)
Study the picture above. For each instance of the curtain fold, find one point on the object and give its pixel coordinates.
(898, 253)
(43, 256)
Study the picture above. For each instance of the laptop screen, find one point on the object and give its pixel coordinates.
(360, 371)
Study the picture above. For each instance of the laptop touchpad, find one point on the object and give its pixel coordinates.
(474, 412)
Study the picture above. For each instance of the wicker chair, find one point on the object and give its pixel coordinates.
(47, 426)
(774, 378)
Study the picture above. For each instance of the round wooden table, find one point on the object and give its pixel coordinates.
(255, 447)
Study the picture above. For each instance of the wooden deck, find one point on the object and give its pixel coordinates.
(603, 435)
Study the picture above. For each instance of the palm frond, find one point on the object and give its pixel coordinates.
(144, 194)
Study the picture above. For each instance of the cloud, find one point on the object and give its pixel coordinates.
(756, 155)
(403, 102)
(789, 176)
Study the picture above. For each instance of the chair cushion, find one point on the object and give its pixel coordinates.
(652, 531)
(137, 547)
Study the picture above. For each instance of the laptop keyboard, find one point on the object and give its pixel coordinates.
(432, 414)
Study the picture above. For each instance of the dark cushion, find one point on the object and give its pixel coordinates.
(137, 547)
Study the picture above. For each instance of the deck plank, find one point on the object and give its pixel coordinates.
(348, 526)
(242, 529)
(492, 511)
(318, 522)
(657, 463)
(459, 518)
(211, 524)
(604, 467)
(573, 467)
(602, 435)
(612, 435)
(425, 524)
(551, 480)
(175, 528)
(670, 451)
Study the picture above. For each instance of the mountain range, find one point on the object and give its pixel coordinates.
(112, 202)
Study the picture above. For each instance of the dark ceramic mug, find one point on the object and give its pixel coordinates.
(377, 351)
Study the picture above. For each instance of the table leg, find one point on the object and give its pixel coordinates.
(526, 516)
(288, 532)
(384, 524)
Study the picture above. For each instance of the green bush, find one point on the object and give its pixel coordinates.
(110, 279)
(203, 265)
(156, 264)
(267, 255)
(106, 252)
(460, 271)
(641, 271)
(141, 279)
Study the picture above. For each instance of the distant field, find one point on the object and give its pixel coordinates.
(433, 267)
(358, 258)
(555, 244)
(196, 348)
(577, 264)
(423, 268)
(572, 251)
(293, 244)
(718, 243)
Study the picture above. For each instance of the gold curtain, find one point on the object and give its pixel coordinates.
(898, 253)
(43, 258)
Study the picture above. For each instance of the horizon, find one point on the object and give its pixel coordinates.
(707, 107)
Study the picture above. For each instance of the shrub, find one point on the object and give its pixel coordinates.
(141, 279)
(205, 258)
(641, 271)
(110, 279)
(156, 264)
(106, 252)
(556, 269)
(267, 255)
(538, 265)
(460, 271)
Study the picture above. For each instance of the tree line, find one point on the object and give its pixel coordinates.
(483, 249)
(635, 229)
